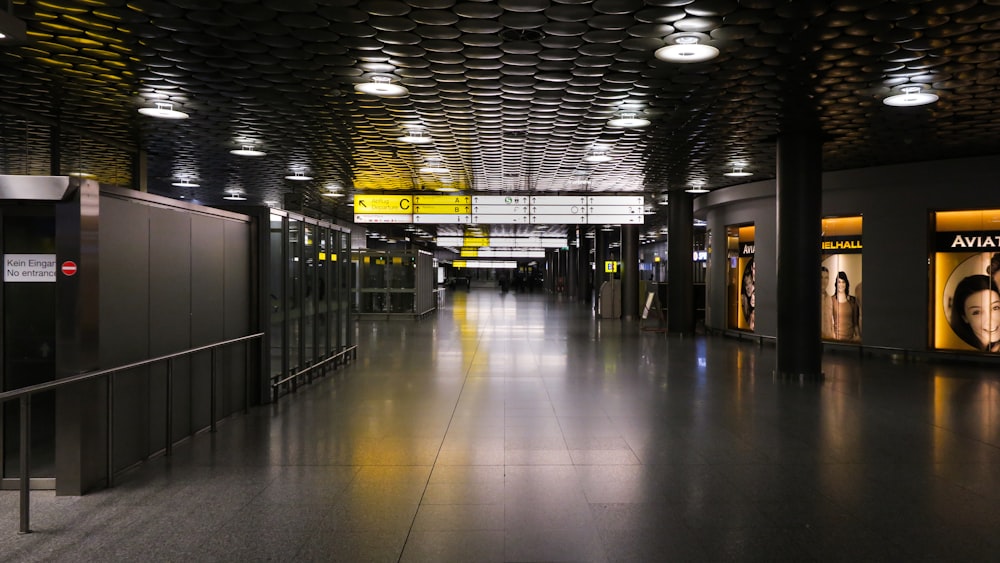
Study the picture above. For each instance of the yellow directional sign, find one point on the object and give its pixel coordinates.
(449, 209)
(610, 267)
(470, 253)
(459, 263)
(442, 200)
(383, 204)
(472, 242)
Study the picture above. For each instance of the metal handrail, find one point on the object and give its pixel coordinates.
(25, 394)
(304, 371)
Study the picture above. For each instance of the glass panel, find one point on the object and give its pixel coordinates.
(309, 296)
(293, 292)
(277, 304)
(333, 266)
(346, 293)
(29, 345)
(322, 318)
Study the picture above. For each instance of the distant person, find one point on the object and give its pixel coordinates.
(975, 313)
(846, 312)
(825, 305)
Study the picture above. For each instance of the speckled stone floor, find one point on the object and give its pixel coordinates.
(518, 428)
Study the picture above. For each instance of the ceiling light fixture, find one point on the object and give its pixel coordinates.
(247, 150)
(163, 110)
(628, 120)
(434, 167)
(298, 176)
(333, 194)
(415, 137)
(686, 49)
(186, 183)
(697, 190)
(738, 172)
(911, 96)
(597, 156)
(381, 86)
(235, 195)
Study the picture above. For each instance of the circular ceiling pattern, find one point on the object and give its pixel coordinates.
(513, 94)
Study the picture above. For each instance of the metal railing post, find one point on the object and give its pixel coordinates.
(111, 430)
(246, 378)
(213, 393)
(169, 450)
(25, 460)
(24, 395)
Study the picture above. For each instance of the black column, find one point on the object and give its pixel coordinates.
(630, 272)
(81, 420)
(585, 277)
(55, 151)
(572, 269)
(799, 209)
(140, 172)
(680, 262)
(600, 255)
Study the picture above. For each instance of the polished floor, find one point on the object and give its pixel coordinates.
(518, 428)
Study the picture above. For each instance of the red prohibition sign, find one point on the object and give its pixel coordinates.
(68, 268)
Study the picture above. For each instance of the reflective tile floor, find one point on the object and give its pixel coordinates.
(518, 428)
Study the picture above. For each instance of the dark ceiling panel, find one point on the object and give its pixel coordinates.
(513, 94)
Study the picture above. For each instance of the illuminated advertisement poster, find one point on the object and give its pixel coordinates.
(840, 280)
(741, 277)
(966, 272)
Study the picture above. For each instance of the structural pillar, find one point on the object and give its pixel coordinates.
(630, 272)
(585, 277)
(55, 151)
(572, 267)
(81, 462)
(799, 213)
(600, 255)
(680, 263)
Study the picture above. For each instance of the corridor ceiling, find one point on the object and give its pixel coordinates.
(513, 93)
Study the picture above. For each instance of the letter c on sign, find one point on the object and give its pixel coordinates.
(404, 204)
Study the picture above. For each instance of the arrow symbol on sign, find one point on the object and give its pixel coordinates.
(363, 204)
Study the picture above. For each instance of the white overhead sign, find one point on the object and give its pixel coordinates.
(29, 268)
(500, 209)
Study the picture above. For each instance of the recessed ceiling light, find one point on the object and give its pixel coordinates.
(738, 172)
(415, 137)
(163, 110)
(911, 96)
(248, 150)
(629, 120)
(434, 170)
(597, 157)
(381, 86)
(298, 176)
(686, 49)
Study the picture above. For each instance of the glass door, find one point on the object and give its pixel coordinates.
(28, 341)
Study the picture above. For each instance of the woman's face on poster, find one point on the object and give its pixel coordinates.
(982, 311)
(841, 285)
